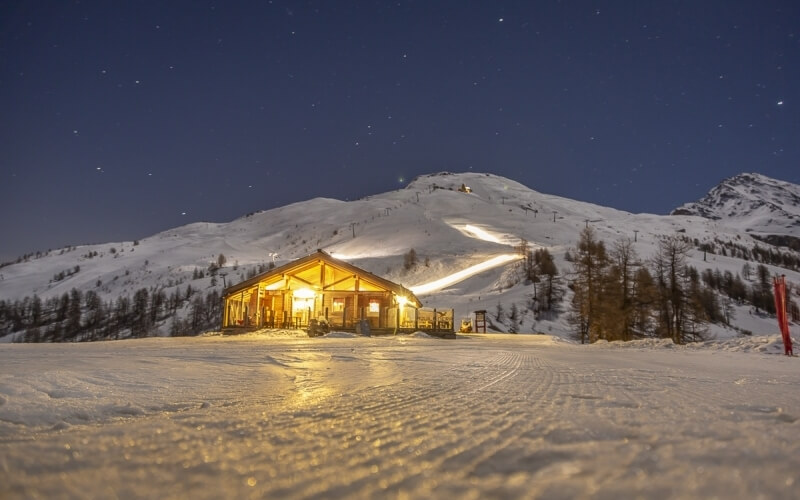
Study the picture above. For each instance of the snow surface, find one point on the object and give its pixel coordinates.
(279, 415)
(451, 232)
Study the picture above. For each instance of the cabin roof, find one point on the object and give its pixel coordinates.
(321, 256)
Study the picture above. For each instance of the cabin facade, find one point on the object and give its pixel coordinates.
(315, 287)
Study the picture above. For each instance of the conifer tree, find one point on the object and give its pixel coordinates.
(140, 319)
(94, 313)
(671, 274)
(644, 298)
(590, 262)
(73, 326)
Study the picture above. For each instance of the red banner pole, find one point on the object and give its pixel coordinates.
(780, 312)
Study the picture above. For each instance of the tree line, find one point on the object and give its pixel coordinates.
(76, 316)
(617, 296)
(769, 255)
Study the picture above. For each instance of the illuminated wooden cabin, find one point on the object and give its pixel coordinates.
(314, 287)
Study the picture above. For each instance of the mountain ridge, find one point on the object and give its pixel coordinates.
(761, 205)
(449, 229)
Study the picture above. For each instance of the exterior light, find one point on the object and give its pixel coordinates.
(304, 293)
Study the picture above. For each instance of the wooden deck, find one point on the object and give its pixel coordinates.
(374, 332)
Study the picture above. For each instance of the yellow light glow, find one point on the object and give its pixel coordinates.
(481, 234)
(463, 274)
(401, 301)
(303, 293)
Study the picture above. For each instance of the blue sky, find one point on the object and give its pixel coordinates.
(123, 119)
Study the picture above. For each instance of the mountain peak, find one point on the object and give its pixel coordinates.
(752, 202)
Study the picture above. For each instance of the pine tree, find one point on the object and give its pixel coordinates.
(176, 328)
(644, 297)
(499, 313)
(140, 319)
(213, 309)
(73, 326)
(671, 274)
(761, 292)
(410, 259)
(546, 272)
(157, 301)
(197, 315)
(36, 311)
(619, 289)
(590, 263)
(514, 317)
(94, 313)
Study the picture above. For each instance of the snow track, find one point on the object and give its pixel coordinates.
(459, 276)
(480, 417)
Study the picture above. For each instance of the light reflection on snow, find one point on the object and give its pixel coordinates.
(491, 415)
(463, 274)
(481, 234)
(310, 386)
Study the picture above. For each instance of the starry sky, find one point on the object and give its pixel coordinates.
(122, 119)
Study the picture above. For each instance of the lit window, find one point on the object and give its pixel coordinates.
(374, 306)
(338, 305)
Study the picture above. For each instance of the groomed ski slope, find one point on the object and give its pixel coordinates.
(485, 416)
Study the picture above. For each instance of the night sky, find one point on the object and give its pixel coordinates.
(121, 119)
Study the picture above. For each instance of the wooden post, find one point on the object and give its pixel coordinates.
(480, 321)
(356, 309)
(241, 307)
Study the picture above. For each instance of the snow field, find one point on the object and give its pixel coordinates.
(483, 416)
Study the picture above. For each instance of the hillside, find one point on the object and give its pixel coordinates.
(450, 230)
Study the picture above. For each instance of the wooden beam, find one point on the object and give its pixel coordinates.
(339, 281)
(301, 280)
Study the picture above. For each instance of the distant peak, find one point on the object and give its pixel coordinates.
(751, 201)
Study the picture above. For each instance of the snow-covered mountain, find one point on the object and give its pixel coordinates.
(449, 229)
(766, 207)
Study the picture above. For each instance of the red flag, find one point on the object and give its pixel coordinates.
(780, 311)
